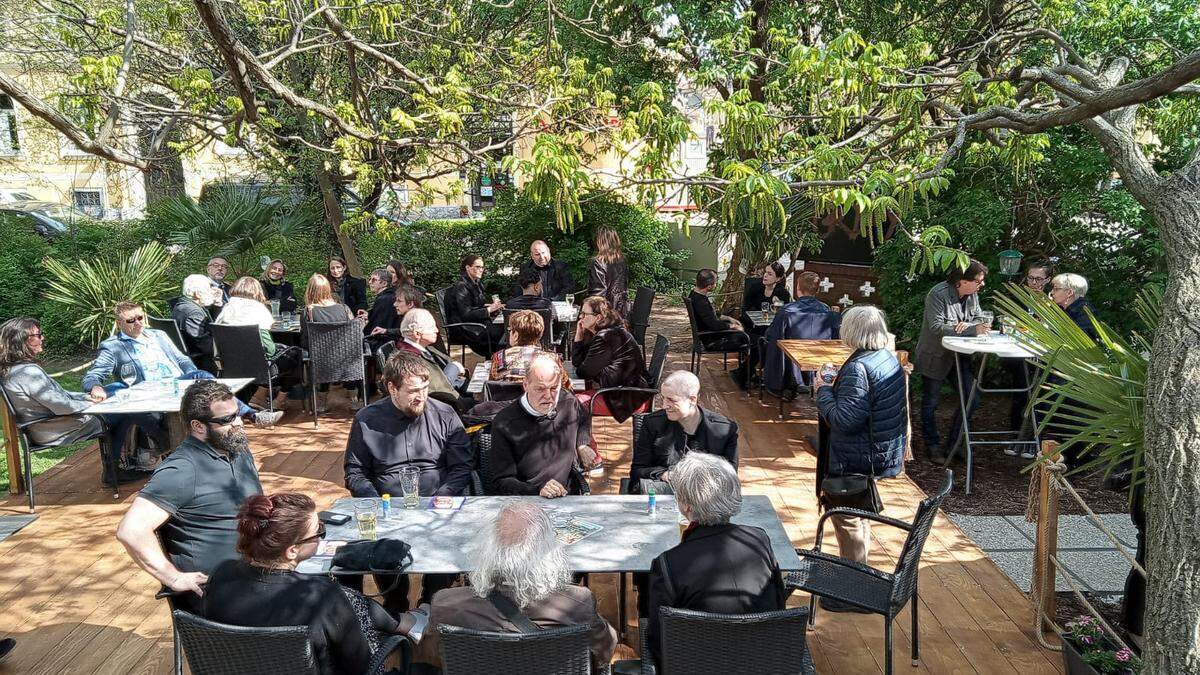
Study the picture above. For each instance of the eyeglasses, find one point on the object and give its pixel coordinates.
(477, 266)
(134, 319)
(1040, 280)
(36, 335)
(222, 421)
(1059, 288)
(316, 537)
(582, 313)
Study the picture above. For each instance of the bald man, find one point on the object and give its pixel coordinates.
(538, 439)
(556, 278)
(680, 427)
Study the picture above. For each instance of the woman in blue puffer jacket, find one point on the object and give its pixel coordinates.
(866, 410)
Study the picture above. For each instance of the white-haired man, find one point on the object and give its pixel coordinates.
(521, 583)
(191, 315)
(537, 440)
(718, 566)
(418, 334)
(679, 428)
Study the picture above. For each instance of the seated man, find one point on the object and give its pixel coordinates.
(520, 583)
(419, 332)
(404, 429)
(682, 426)
(406, 298)
(718, 566)
(193, 498)
(191, 315)
(531, 292)
(554, 274)
(538, 438)
(382, 313)
(806, 318)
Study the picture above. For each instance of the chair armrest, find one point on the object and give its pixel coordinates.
(835, 560)
(857, 513)
(728, 331)
(387, 648)
(464, 323)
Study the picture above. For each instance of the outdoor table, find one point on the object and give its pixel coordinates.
(482, 369)
(759, 321)
(441, 540)
(286, 326)
(1001, 346)
(562, 311)
(158, 397)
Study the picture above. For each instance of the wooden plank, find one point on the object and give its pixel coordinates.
(12, 450)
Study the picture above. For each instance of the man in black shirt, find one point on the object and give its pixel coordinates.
(554, 274)
(729, 335)
(682, 426)
(192, 500)
(407, 428)
(382, 313)
(538, 438)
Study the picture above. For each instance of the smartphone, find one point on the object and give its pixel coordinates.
(332, 518)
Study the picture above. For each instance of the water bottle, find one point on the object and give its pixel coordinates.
(828, 373)
(385, 506)
(651, 502)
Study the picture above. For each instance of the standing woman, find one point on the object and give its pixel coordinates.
(769, 288)
(608, 274)
(350, 291)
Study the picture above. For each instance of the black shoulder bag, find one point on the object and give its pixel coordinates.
(511, 612)
(856, 490)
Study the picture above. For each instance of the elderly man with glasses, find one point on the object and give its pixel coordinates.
(191, 502)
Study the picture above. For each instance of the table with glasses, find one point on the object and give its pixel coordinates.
(483, 369)
(1004, 346)
(760, 320)
(286, 323)
(561, 310)
(164, 397)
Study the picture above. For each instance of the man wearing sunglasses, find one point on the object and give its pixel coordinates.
(192, 500)
(136, 353)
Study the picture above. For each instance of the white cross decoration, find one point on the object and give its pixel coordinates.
(845, 300)
(910, 278)
(867, 289)
(825, 285)
(799, 264)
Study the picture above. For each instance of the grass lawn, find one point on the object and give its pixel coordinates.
(44, 460)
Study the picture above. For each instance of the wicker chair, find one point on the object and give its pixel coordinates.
(169, 327)
(502, 390)
(639, 316)
(863, 586)
(241, 354)
(699, 349)
(701, 643)
(554, 651)
(336, 353)
(481, 480)
(219, 649)
(654, 376)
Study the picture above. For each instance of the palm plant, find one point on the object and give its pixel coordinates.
(89, 290)
(1092, 392)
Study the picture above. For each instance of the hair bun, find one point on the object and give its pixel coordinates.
(259, 506)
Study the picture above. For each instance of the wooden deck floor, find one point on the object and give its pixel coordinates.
(76, 603)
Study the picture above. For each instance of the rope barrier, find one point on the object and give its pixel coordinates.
(72, 370)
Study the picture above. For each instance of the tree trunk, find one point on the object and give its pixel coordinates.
(730, 295)
(1172, 439)
(333, 216)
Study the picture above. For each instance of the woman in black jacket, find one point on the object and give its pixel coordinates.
(608, 274)
(606, 355)
(277, 287)
(351, 291)
(466, 303)
(769, 288)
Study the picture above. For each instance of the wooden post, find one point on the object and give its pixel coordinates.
(1047, 539)
(12, 446)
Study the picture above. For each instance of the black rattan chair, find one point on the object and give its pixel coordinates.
(336, 353)
(502, 390)
(240, 351)
(863, 586)
(554, 651)
(384, 353)
(215, 648)
(639, 316)
(701, 643)
(169, 327)
(440, 297)
(654, 374)
(699, 348)
(481, 481)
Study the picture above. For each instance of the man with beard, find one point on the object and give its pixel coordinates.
(192, 500)
(407, 428)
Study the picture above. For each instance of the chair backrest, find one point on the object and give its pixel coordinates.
(241, 352)
(658, 361)
(503, 390)
(547, 315)
(169, 327)
(700, 643)
(335, 351)
(691, 313)
(639, 316)
(482, 442)
(554, 651)
(383, 354)
(219, 649)
(904, 579)
(440, 296)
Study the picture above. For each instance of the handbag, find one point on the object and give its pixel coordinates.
(384, 555)
(855, 490)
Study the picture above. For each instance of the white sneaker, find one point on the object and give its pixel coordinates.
(266, 419)
(1028, 454)
(1010, 451)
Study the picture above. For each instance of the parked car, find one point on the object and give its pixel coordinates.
(49, 219)
(9, 195)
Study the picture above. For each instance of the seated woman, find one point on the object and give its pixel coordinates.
(247, 307)
(606, 355)
(525, 340)
(276, 287)
(769, 289)
(35, 395)
(863, 425)
(320, 306)
(263, 589)
(1069, 291)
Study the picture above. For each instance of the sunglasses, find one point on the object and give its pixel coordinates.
(35, 335)
(134, 319)
(316, 537)
(222, 421)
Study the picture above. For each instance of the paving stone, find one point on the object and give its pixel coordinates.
(10, 525)
(993, 532)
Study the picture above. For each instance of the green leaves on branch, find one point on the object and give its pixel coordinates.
(933, 253)
(555, 176)
(90, 289)
(753, 194)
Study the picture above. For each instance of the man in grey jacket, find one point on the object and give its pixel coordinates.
(951, 308)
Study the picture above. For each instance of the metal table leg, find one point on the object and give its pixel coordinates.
(621, 609)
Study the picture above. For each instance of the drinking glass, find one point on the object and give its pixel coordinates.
(410, 486)
(366, 515)
(275, 308)
(128, 374)
(766, 309)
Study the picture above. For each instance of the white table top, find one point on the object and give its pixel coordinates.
(155, 397)
(483, 369)
(631, 539)
(563, 312)
(1004, 346)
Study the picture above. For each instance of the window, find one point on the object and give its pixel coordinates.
(90, 202)
(8, 127)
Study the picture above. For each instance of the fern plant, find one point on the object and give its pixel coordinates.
(1092, 392)
(91, 289)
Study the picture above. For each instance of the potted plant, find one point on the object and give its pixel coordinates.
(1088, 651)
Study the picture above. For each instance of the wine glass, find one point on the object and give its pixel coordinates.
(128, 374)
(766, 309)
